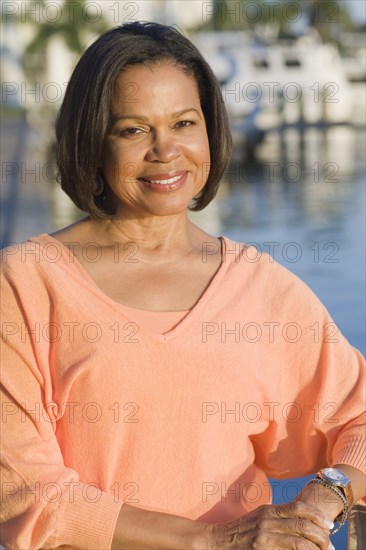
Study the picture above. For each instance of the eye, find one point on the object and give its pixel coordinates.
(127, 132)
(185, 123)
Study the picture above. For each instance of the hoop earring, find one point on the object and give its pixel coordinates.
(98, 187)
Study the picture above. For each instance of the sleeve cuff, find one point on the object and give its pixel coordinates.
(89, 518)
(351, 452)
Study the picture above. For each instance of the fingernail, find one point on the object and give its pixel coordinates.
(329, 524)
(330, 546)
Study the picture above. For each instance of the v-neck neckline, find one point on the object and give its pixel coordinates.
(93, 287)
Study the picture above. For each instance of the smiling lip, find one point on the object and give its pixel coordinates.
(164, 182)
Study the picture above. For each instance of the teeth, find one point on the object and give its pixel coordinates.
(166, 182)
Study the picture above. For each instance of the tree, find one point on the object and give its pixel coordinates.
(72, 23)
(328, 17)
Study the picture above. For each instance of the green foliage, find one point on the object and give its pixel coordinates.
(73, 28)
(328, 17)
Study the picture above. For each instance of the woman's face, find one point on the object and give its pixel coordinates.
(156, 153)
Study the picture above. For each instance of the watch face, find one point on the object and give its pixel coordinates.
(335, 476)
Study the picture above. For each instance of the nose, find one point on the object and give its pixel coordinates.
(163, 148)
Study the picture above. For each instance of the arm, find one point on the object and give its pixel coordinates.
(137, 528)
(294, 525)
(44, 503)
(323, 376)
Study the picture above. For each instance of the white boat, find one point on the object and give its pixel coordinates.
(282, 82)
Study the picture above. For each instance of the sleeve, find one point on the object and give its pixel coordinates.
(318, 415)
(44, 504)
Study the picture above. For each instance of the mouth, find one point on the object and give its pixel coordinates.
(164, 182)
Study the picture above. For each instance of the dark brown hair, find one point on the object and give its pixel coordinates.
(83, 119)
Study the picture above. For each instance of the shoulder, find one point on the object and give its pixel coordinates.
(16, 257)
(265, 279)
(31, 267)
(26, 256)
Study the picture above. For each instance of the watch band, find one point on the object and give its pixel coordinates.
(342, 517)
(344, 486)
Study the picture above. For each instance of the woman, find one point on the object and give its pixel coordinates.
(139, 410)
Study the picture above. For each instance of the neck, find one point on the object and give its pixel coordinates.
(173, 235)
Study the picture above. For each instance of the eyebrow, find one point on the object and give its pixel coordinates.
(144, 119)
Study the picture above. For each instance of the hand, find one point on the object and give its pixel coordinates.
(294, 525)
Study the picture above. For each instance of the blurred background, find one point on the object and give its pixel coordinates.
(293, 77)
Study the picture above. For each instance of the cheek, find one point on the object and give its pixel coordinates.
(199, 146)
(206, 160)
(123, 153)
(119, 163)
(206, 154)
(206, 145)
(199, 152)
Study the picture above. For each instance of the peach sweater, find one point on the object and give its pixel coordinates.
(254, 381)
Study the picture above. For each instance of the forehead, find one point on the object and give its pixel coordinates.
(147, 84)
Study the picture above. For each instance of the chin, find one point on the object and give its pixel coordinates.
(168, 209)
(173, 211)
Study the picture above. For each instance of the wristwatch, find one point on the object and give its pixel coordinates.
(339, 480)
(339, 484)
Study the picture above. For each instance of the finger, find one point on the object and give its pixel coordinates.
(298, 527)
(301, 510)
(287, 527)
(276, 541)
